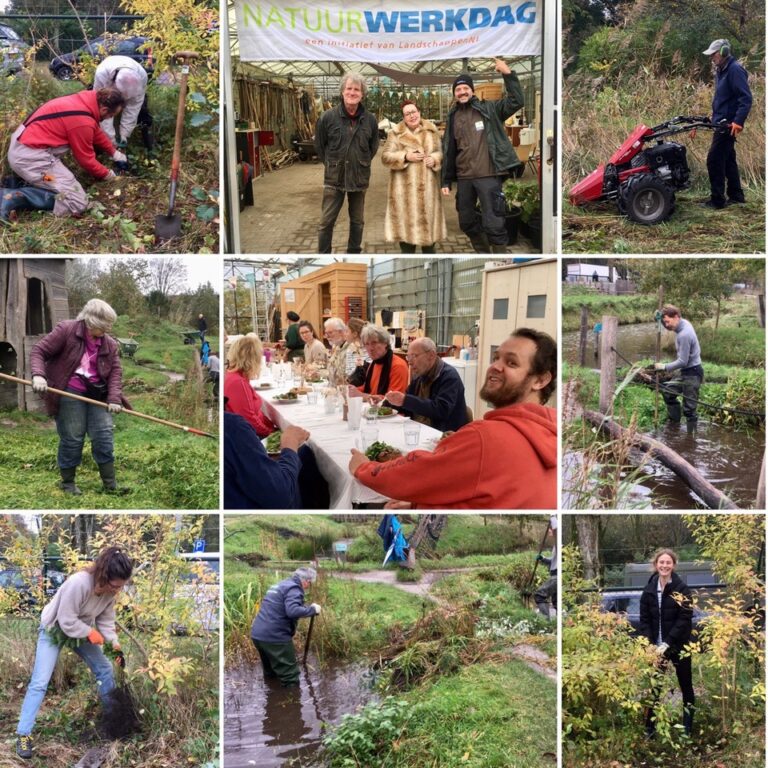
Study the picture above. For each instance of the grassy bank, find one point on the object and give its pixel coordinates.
(165, 468)
(181, 729)
(122, 216)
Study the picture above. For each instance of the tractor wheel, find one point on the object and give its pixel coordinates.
(648, 200)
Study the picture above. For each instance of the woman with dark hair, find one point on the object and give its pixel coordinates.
(414, 157)
(315, 352)
(83, 610)
(666, 619)
(79, 356)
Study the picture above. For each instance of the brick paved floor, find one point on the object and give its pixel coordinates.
(286, 214)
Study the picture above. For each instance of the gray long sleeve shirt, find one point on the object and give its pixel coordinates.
(686, 346)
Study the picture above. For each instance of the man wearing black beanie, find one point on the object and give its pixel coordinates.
(477, 155)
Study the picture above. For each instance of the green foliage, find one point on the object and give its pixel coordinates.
(523, 195)
(362, 738)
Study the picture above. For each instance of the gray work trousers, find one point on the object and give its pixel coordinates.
(43, 168)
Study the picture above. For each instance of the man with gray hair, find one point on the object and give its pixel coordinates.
(130, 78)
(275, 625)
(435, 396)
(346, 140)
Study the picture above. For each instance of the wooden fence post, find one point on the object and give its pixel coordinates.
(583, 336)
(608, 362)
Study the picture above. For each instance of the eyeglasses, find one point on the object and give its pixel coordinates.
(413, 355)
(411, 112)
(116, 587)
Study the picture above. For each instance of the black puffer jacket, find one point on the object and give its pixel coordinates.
(676, 612)
(346, 146)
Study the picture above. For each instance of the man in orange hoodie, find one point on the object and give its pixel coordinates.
(506, 460)
(62, 124)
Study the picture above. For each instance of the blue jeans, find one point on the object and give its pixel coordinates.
(76, 419)
(46, 656)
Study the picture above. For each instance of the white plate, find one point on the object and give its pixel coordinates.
(284, 402)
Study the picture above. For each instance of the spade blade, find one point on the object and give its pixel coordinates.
(167, 227)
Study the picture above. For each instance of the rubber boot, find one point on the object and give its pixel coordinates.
(24, 199)
(480, 243)
(67, 483)
(108, 480)
(498, 248)
(691, 424)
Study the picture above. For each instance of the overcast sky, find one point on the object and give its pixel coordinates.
(200, 269)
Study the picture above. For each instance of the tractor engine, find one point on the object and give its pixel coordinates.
(667, 160)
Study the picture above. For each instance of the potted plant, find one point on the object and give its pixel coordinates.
(524, 207)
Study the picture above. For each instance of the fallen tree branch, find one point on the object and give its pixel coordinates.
(711, 496)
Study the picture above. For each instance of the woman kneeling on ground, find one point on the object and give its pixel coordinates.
(79, 356)
(666, 619)
(82, 610)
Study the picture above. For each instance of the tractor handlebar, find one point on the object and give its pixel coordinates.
(684, 123)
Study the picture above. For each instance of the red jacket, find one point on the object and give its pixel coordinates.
(398, 377)
(81, 133)
(507, 460)
(243, 401)
(57, 356)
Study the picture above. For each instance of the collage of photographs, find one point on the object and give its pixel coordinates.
(382, 385)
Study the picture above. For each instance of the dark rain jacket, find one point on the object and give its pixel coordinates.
(252, 480)
(493, 114)
(280, 611)
(732, 99)
(57, 356)
(676, 613)
(347, 146)
(445, 407)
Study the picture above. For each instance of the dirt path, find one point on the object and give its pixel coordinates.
(534, 658)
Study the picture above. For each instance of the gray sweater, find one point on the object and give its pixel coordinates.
(686, 346)
(77, 609)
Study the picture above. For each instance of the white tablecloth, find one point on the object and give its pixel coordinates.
(331, 440)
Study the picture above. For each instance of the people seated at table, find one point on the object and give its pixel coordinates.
(435, 396)
(387, 371)
(243, 364)
(336, 333)
(506, 460)
(315, 352)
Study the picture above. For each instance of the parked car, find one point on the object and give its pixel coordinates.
(54, 579)
(12, 579)
(13, 48)
(626, 603)
(201, 583)
(137, 48)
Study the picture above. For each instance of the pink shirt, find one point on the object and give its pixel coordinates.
(88, 367)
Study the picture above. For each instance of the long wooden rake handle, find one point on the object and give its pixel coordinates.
(91, 401)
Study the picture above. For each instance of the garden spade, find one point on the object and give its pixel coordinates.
(168, 226)
(527, 592)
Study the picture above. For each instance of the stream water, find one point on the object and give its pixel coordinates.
(730, 459)
(269, 726)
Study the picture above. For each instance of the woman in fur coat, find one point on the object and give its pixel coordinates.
(414, 206)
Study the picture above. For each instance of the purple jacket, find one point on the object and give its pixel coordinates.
(57, 356)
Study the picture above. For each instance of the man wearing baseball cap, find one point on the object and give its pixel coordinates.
(478, 155)
(731, 102)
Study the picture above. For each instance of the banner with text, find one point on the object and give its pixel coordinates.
(398, 30)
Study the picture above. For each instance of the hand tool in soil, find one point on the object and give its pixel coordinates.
(527, 592)
(146, 416)
(168, 226)
(309, 636)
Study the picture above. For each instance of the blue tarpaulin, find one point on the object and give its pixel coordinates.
(395, 543)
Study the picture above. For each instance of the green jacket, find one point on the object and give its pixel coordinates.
(494, 113)
(292, 338)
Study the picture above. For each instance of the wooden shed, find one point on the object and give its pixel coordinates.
(33, 298)
(338, 290)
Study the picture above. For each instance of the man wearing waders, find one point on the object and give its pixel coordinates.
(275, 625)
(688, 362)
(547, 592)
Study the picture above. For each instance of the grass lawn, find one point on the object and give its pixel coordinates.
(690, 229)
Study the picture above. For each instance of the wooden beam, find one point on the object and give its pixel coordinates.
(711, 496)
